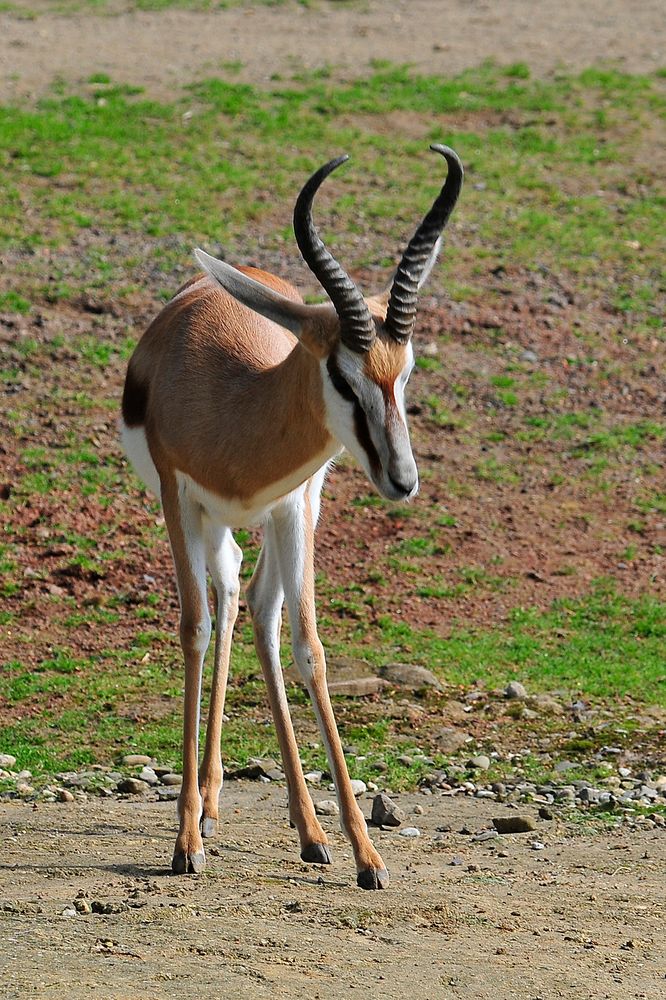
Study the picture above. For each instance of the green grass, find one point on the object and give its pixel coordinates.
(602, 647)
(100, 159)
(213, 167)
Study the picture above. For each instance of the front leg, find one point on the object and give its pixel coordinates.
(294, 533)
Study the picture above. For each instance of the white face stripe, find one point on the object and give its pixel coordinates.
(377, 436)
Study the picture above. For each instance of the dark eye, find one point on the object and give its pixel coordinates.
(340, 383)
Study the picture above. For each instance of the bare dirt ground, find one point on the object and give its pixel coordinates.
(165, 50)
(581, 918)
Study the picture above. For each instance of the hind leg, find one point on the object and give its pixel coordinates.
(184, 523)
(224, 558)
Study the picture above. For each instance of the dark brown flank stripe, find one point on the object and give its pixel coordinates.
(342, 386)
(135, 399)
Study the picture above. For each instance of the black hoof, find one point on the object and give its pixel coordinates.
(316, 854)
(188, 864)
(208, 826)
(373, 878)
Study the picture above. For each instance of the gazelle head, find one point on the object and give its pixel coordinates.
(363, 344)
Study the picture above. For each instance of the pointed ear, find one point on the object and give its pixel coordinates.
(294, 316)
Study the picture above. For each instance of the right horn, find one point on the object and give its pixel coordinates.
(401, 311)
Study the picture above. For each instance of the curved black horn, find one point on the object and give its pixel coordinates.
(402, 302)
(357, 328)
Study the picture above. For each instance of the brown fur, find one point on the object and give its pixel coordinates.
(200, 378)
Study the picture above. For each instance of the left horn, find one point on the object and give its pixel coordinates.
(357, 327)
(401, 311)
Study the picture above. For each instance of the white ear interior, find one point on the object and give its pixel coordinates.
(253, 294)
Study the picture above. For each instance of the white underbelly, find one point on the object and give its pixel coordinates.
(229, 511)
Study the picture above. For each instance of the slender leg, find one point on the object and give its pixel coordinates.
(184, 523)
(223, 557)
(294, 533)
(265, 597)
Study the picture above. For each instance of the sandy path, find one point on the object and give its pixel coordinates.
(581, 918)
(162, 51)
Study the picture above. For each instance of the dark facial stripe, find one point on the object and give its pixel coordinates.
(341, 385)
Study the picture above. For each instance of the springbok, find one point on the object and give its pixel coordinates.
(237, 398)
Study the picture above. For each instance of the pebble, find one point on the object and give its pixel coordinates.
(410, 831)
(479, 763)
(545, 813)
(69, 911)
(514, 824)
(171, 779)
(168, 794)
(358, 787)
(7, 760)
(410, 676)
(385, 812)
(515, 689)
(149, 776)
(480, 838)
(536, 845)
(314, 777)
(24, 789)
(82, 905)
(133, 786)
(136, 759)
(64, 795)
(327, 807)
(418, 810)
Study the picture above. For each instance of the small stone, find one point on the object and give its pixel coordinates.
(418, 810)
(24, 789)
(514, 824)
(171, 779)
(327, 807)
(132, 786)
(530, 357)
(410, 676)
(7, 761)
(536, 845)
(456, 861)
(69, 911)
(545, 704)
(136, 759)
(479, 763)
(149, 776)
(448, 739)
(64, 795)
(564, 765)
(624, 772)
(385, 812)
(515, 689)
(314, 777)
(485, 835)
(358, 787)
(410, 831)
(545, 813)
(82, 906)
(168, 794)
